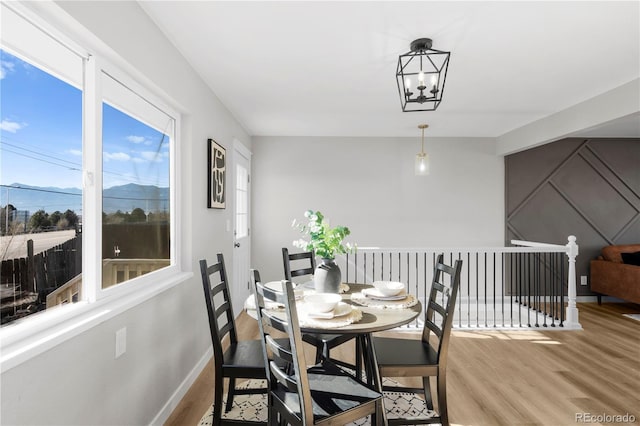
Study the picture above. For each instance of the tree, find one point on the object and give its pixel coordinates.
(55, 217)
(72, 218)
(137, 215)
(39, 220)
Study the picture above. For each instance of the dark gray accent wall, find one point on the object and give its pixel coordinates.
(589, 188)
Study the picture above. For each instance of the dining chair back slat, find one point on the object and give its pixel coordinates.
(442, 302)
(308, 257)
(433, 327)
(219, 329)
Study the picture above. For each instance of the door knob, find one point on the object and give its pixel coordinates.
(236, 244)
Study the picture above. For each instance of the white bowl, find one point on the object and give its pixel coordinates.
(321, 302)
(388, 288)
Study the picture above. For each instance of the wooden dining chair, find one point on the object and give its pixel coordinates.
(425, 358)
(243, 358)
(323, 342)
(322, 394)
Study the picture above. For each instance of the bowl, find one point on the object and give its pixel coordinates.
(321, 302)
(388, 288)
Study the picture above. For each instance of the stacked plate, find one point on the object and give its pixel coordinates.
(340, 310)
(386, 290)
(279, 286)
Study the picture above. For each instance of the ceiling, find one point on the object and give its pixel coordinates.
(328, 68)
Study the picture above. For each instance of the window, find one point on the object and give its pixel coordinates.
(242, 201)
(121, 226)
(40, 174)
(135, 185)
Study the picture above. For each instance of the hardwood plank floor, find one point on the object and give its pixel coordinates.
(527, 377)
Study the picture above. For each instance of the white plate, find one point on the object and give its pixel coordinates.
(277, 286)
(308, 284)
(373, 293)
(340, 310)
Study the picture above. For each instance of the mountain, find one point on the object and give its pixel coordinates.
(125, 198)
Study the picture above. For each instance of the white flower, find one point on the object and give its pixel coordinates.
(300, 243)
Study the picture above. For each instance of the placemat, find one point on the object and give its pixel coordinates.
(343, 288)
(354, 316)
(363, 300)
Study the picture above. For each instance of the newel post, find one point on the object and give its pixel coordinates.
(572, 310)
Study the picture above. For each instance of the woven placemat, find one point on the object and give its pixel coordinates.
(363, 300)
(354, 316)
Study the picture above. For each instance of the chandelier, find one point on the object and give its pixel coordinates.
(420, 75)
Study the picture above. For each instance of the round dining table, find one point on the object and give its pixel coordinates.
(374, 318)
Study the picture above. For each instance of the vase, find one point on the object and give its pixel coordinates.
(327, 277)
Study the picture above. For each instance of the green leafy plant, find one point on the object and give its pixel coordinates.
(323, 239)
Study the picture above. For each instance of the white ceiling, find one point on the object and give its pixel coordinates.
(328, 68)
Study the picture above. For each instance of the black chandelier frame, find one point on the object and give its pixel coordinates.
(433, 64)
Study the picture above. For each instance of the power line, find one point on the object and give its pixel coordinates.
(40, 190)
(76, 194)
(40, 153)
(122, 175)
(40, 159)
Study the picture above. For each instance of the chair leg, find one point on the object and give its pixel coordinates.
(428, 399)
(442, 399)
(217, 399)
(230, 394)
(380, 414)
(358, 362)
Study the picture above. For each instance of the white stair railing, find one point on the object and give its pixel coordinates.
(528, 285)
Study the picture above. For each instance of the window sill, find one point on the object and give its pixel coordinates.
(27, 339)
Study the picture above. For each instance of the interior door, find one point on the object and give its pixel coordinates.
(241, 226)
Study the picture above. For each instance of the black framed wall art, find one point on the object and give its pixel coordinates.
(217, 175)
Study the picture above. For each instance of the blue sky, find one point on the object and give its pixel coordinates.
(41, 134)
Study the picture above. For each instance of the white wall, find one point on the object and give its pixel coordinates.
(621, 102)
(79, 382)
(368, 184)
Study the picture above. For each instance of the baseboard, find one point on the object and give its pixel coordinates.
(593, 299)
(179, 393)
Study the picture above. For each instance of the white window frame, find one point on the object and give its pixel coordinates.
(38, 333)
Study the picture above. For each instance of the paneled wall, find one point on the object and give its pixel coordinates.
(586, 187)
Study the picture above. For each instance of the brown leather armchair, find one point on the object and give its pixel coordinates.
(611, 277)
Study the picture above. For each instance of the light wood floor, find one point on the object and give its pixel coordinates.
(527, 377)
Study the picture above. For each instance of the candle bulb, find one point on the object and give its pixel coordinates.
(407, 83)
(434, 80)
(421, 79)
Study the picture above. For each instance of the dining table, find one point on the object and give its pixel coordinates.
(365, 316)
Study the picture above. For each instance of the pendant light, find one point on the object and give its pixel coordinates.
(422, 158)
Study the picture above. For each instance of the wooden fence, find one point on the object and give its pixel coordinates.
(43, 272)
